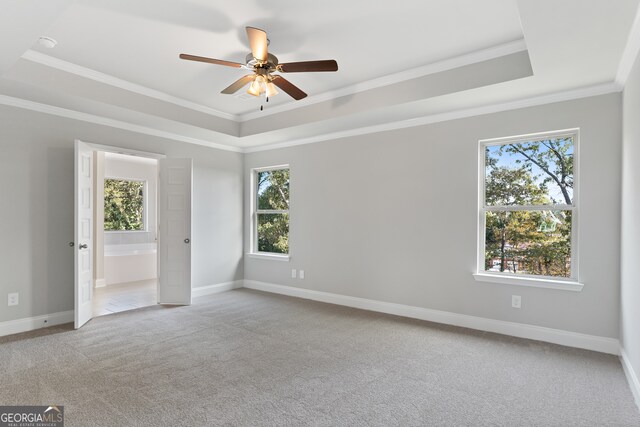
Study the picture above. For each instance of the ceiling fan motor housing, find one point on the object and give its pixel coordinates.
(272, 62)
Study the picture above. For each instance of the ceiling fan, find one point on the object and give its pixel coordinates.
(264, 65)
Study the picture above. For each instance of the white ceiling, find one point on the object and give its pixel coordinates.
(119, 55)
(139, 41)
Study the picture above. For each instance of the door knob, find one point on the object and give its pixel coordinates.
(187, 240)
(83, 246)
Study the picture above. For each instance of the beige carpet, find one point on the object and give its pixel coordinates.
(249, 358)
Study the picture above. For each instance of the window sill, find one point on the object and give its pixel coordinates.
(273, 257)
(562, 285)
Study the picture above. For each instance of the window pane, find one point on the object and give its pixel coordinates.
(273, 189)
(123, 205)
(529, 173)
(273, 233)
(529, 242)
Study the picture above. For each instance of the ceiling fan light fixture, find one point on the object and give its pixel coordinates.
(271, 90)
(256, 87)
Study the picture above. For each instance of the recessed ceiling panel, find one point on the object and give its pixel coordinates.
(139, 41)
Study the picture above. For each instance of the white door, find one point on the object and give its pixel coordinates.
(83, 237)
(174, 235)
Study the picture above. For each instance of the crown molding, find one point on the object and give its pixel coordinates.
(59, 64)
(412, 73)
(99, 120)
(629, 56)
(630, 52)
(584, 92)
(436, 67)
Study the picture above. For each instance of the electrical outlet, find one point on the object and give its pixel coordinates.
(302, 274)
(293, 273)
(12, 299)
(516, 301)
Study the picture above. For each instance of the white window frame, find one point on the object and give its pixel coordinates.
(569, 284)
(145, 211)
(255, 253)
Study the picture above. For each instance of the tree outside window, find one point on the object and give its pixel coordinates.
(272, 213)
(528, 207)
(123, 205)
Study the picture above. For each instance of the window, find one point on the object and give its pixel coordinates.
(124, 205)
(528, 207)
(271, 219)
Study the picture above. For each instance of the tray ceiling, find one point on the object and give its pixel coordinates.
(398, 61)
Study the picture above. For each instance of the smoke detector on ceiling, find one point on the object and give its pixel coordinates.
(47, 42)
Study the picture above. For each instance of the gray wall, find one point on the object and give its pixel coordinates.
(392, 216)
(36, 218)
(630, 285)
(389, 216)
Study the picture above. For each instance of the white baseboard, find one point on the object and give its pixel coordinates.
(30, 323)
(100, 283)
(539, 333)
(556, 336)
(632, 377)
(214, 289)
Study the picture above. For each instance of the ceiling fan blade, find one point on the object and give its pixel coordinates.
(298, 67)
(210, 60)
(238, 84)
(258, 43)
(289, 87)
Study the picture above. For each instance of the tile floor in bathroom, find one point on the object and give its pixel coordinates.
(124, 296)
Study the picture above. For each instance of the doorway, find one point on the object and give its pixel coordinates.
(125, 230)
(132, 230)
